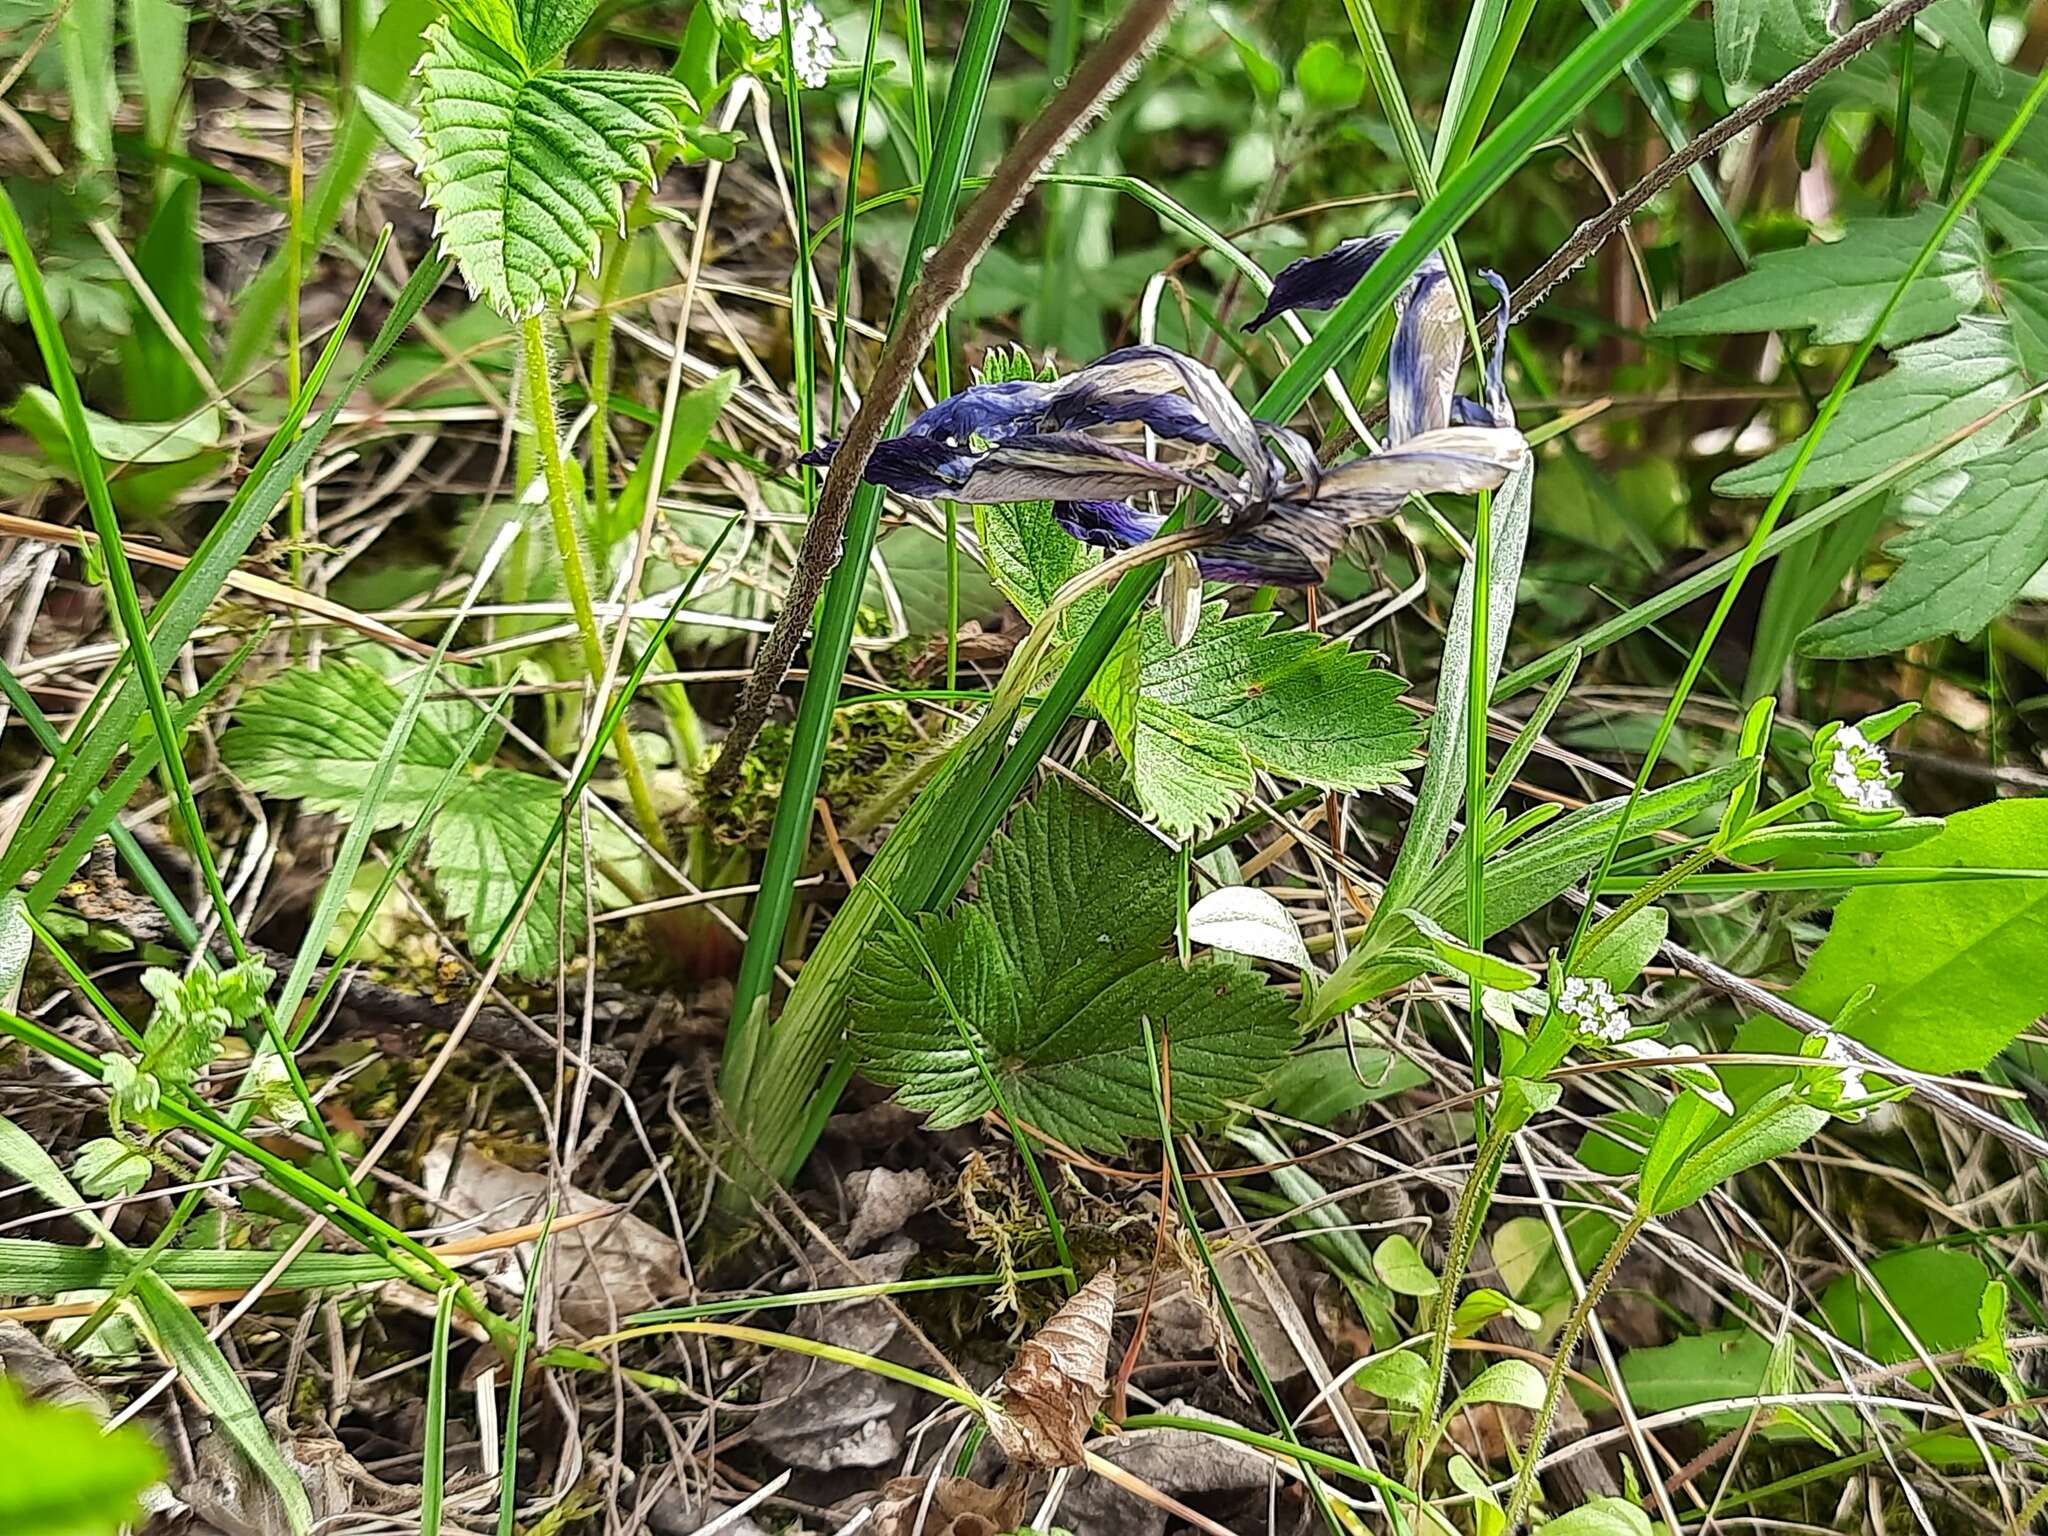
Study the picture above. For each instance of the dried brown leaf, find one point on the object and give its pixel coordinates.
(959, 1507)
(1051, 1394)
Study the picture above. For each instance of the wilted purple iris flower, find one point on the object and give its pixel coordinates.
(1429, 343)
(1282, 516)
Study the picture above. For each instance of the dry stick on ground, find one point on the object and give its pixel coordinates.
(1100, 77)
(1603, 226)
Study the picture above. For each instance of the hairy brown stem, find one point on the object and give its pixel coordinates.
(1595, 232)
(1097, 81)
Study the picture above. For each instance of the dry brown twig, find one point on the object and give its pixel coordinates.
(1098, 80)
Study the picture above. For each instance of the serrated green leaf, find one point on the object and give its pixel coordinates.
(1935, 387)
(1741, 27)
(316, 737)
(1960, 968)
(1029, 555)
(1959, 24)
(2022, 278)
(1960, 571)
(1053, 969)
(491, 833)
(1240, 697)
(1837, 289)
(66, 1475)
(523, 162)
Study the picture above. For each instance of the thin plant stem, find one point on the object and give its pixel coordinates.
(540, 393)
(1567, 1344)
(1902, 125)
(1954, 159)
(610, 272)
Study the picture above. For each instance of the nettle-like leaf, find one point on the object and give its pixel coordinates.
(1959, 570)
(1054, 970)
(316, 737)
(1838, 288)
(523, 160)
(1237, 698)
(1935, 387)
(1240, 696)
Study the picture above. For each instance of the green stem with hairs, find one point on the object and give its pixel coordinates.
(1567, 1344)
(540, 395)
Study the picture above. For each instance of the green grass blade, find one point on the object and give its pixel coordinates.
(1767, 521)
(434, 1457)
(176, 1332)
(508, 1467)
(833, 637)
(178, 612)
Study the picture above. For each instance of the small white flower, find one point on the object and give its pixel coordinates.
(810, 39)
(1836, 1054)
(1859, 769)
(763, 18)
(1591, 1001)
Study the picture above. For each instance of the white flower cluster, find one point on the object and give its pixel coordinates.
(809, 37)
(1592, 1002)
(1836, 1054)
(1860, 770)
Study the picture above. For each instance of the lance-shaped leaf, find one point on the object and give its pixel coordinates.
(524, 161)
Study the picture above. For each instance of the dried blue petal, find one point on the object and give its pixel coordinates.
(1107, 524)
(1498, 406)
(1322, 282)
(910, 466)
(1428, 350)
(987, 411)
(1071, 466)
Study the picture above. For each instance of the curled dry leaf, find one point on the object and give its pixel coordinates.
(959, 1506)
(1061, 1374)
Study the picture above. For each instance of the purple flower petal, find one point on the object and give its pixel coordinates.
(989, 411)
(911, 466)
(1071, 466)
(1321, 282)
(1106, 524)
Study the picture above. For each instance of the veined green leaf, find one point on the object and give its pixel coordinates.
(1837, 288)
(1742, 28)
(1935, 387)
(1054, 968)
(317, 737)
(524, 162)
(1958, 572)
(1240, 697)
(2022, 278)
(1960, 968)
